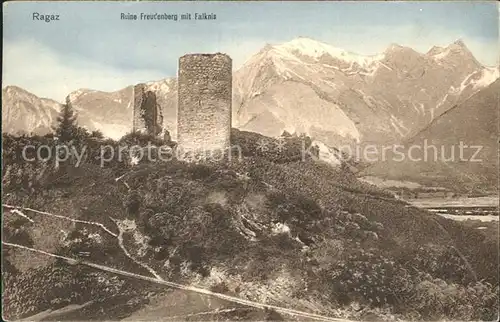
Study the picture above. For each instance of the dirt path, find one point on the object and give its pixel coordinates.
(294, 313)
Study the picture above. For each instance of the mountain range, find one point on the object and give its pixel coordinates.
(23, 111)
(336, 96)
(302, 86)
(305, 86)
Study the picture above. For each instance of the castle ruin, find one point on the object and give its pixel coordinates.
(148, 116)
(204, 102)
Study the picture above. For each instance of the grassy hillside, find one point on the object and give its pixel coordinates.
(269, 227)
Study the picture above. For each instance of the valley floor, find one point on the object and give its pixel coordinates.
(487, 201)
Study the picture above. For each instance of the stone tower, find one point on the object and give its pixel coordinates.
(148, 117)
(204, 102)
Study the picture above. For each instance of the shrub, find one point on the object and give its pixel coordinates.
(200, 171)
(301, 213)
(133, 203)
(220, 287)
(17, 234)
(272, 315)
(282, 150)
(435, 299)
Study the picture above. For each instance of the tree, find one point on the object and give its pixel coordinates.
(66, 128)
(97, 134)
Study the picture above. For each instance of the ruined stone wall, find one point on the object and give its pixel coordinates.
(204, 101)
(148, 117)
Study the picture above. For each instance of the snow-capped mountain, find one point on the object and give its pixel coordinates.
(302, 86)
(337, 96)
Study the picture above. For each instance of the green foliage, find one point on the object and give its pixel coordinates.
(435, 299)
(340, 237)
(57, 285)
(18, 236)
(219, 288)
(372, 279)
(66, 129)
(97, 134)
(272, 315)
(200, 171)
(133, 203)
(284, 150)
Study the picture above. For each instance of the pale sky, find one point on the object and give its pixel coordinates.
(91, 47)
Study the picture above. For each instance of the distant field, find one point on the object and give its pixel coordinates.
(489, 201)
(477, 213)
